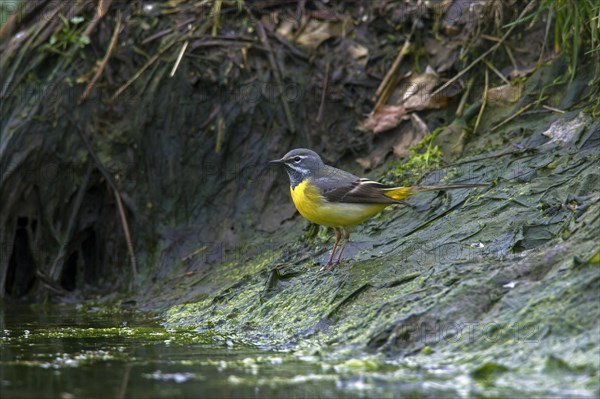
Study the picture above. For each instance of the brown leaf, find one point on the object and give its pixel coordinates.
(412, 95)
(388, 117)
(286, 29)
(411, 136)
(316, 32)
(505, 95)
(359, 53)
(415, 93)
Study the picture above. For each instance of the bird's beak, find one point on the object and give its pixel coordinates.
(276, 162)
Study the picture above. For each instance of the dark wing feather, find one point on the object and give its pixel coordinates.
(339, 186)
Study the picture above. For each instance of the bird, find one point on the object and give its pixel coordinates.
(338, 199)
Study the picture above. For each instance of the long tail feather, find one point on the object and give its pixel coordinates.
(399, 193)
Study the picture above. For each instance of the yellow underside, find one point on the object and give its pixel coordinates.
(315, 208)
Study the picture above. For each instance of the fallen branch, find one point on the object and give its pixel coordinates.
(102, 66)
(103, 6)
(386, 86)
(58, 264)
(118, 198)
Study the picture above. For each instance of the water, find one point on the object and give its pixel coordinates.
(64, 352)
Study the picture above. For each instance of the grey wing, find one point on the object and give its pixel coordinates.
(337, 185)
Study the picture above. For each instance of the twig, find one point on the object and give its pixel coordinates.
(216, 13)
(50, 284)
(510, 55)
(112, 184)
(485, 54)
(103, 6)
(324, 94)
(385, 87)
(549, 108)
(260, 30)
(126, 231)
(301, 28)
(22, 50)
(483, 102)
(548, 24)
(141, 71)
(102, 66)
(497, 72)
(58, 264)
(300, 11)
(293, 49)
(23, 12)
(162, 33)
(519, 112)
(463, 99)
(179, 58)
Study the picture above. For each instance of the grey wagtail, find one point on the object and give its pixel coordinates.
(335, 198)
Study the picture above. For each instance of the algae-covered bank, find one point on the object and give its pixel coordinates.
(145, 238)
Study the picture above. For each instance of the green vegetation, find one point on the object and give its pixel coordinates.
(424, 157)
(576, 29)
(69, 35)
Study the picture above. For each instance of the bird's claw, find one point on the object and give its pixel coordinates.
(329, 266)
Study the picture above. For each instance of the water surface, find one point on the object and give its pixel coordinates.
(66, 352)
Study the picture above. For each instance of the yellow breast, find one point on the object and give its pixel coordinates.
(315, 208)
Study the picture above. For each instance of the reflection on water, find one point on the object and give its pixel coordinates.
(61, 352)
(67, 353)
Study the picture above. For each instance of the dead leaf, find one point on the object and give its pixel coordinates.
(411, 136)
(359, 53)
(315, 33)
(388, 117)
(520, 73)
(286, 29)
(414, 94)
(505, 95)
(399, 142)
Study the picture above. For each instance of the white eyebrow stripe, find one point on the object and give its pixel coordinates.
(297, 156)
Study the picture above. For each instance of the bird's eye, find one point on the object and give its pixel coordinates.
(297, 160)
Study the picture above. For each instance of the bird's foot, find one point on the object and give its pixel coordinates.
(329, 266)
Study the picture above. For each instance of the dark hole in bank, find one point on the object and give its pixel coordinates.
(91, 255)
(83, 264)
(21, 266)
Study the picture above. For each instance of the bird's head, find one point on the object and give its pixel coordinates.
(300, 164)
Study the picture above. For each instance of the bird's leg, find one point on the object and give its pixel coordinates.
(335, 244)
(346, 238)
